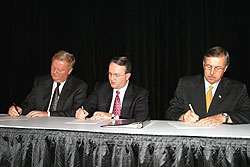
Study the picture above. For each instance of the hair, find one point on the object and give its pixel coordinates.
(217, 51)
(63, 55)
(123, 61)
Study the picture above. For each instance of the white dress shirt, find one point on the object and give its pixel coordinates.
(121, 95)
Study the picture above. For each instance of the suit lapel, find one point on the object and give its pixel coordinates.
(108, 93)
(127, 100)
(219, 95)
(200, 94)
(47, 91)
(64, 93)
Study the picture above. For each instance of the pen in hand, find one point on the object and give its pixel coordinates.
(84, 111)
(14, 104)
(190, 106)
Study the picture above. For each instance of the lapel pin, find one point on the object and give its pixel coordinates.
(220, 96)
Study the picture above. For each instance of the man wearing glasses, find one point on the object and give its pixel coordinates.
(211, 99)
(118, 98)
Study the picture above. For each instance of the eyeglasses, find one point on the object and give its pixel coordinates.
(217, 68)
(115, 75)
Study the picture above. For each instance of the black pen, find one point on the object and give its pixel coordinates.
(14, 104)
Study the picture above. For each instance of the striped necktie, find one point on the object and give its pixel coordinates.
(55, 98)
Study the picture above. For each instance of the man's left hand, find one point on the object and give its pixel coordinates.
(36, 113)
(211, 121)
(101, 115)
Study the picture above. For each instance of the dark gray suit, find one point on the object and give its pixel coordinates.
(230, 97)
(71, 98)
(134, 106)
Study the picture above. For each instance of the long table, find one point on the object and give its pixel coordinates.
(65, 141)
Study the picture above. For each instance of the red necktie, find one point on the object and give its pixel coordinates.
(117, 104)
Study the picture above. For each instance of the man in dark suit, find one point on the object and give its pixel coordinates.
(229, 101)
(133, 100)
(67, 91)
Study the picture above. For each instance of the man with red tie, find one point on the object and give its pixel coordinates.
(117, 98)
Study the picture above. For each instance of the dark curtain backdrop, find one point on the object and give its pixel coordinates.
(164, 39)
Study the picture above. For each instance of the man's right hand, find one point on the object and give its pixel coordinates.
(13, 112)
(81, 114)
(189, 117)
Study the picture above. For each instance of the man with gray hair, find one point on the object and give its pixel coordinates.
(211, 99)
(57, 94)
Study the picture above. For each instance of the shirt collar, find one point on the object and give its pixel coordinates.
(207, 84)
(123, 89)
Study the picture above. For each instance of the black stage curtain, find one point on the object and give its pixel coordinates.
(165, 40)
(31, 147)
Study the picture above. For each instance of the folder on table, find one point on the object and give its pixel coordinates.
(127, 123)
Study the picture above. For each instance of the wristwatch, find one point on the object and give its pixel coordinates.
(225, 115)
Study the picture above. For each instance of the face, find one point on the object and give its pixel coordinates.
(117, 76)
(59, 70)
(214, 68)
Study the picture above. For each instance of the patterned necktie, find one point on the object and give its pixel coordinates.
(209, 97)
(117, 104)
(55, 98)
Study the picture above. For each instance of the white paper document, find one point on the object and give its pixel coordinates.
(9, 118)
(86, 121)
(183, 125)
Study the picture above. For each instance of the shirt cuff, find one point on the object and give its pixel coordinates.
(115, 116)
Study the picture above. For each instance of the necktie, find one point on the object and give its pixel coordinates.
(55, 98)
(117, 104)
(209, 97)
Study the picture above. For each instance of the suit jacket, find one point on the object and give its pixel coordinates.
(134, 106)
(230, 97)
(71, 97)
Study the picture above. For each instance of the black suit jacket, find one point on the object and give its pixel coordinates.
(134, 106)
(71, 98)
(230, 97)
